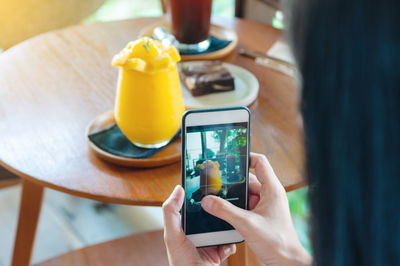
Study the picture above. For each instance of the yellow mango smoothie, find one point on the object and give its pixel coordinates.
(149, 103)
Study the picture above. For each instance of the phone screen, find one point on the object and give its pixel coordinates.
(216, 163)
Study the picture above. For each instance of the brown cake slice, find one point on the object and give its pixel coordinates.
(204, 77)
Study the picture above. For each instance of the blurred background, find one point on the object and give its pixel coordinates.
(68, 222)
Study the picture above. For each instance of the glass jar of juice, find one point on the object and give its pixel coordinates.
(149, 103)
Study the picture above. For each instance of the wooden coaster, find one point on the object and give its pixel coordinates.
(220, 32)
(168, 155)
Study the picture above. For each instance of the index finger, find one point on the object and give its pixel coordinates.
(264, 172)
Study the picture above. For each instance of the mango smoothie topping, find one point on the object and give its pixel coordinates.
(146, 55)
(149, 103)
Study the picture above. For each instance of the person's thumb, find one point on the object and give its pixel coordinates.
(172, 218)
(225, 210)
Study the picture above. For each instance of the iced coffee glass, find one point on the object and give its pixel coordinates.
(190, 23)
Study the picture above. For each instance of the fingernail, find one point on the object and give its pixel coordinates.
(207, 203)
(228, 250)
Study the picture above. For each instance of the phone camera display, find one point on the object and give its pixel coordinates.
(216, 164)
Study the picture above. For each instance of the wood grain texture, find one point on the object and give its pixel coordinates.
(53, 85)
(31, 203)
(145, 249)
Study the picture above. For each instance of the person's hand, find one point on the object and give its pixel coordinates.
(180, 249)
(267, 227)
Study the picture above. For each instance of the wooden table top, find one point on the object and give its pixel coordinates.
(53, 85)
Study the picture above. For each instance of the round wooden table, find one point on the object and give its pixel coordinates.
(53, 85)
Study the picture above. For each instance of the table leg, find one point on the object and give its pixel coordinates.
(31, 202)
(243, 257)
(240, 257)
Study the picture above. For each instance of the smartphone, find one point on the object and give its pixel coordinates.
(215, 161)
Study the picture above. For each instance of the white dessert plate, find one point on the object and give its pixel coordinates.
(244, 94)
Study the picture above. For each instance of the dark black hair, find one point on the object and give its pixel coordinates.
(348, 54)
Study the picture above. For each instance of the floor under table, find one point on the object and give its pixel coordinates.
(69, 222)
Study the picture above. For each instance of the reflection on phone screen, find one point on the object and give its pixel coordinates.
(216, 164)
